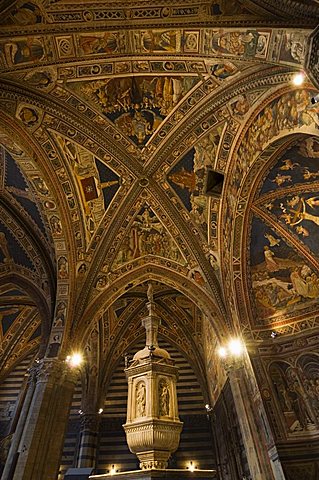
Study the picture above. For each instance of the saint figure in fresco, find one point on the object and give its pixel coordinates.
(4, 247)
(271, 263)
(24, 51)
(98, 44)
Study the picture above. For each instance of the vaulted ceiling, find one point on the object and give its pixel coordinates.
(163, 143)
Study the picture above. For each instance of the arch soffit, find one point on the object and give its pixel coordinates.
(196, 363)
(36, 157)
(150, 272)
(255, 174)
(232, 210)
(184, 333)
(36, 294)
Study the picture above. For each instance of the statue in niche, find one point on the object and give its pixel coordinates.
(140, 400)
(163, 399)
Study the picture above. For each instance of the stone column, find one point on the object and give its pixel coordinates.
(89, 436)
(13, 452)
(38, 441)
(255, 430)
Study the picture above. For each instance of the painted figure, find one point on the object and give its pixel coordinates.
(5, 248)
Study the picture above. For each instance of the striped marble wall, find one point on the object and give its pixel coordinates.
(11, 396)
(10, 389)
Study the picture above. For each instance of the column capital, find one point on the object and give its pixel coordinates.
(233, 364)
(54, 370)
(90, 421)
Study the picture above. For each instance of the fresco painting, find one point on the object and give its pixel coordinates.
(214, 369)
(282, 281)
(11, 146)
(42, 78)
(26, 50)
(97, 183)
(22, 192)
(147, 236)
(101, 43)
(249, 43)
(8, 314)
(187, 177)
(11, 250)
(26, 14)
(293, 47)
(291, 110)
(296, 391)
(223, 70)
(298, 209)
(137, 105)
(158, 41)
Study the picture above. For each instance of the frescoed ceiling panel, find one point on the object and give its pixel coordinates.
(96, 183)
(147, 235)
(188, 177)
(282, 281)
(109, 182)
(290, 193)
(11, 250)
(20, 189)
(298, 165)
(136, 105)
(299, 213)
(20, 324)
(8, 316)
(283, 244)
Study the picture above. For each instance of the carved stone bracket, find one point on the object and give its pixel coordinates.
(312, 60)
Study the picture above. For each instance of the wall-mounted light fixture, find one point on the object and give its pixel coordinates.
(74, 360)
(113, 470)
(191, 466)
(298, 79)
(231, 353)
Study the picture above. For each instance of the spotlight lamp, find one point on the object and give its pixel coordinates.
(298, 79)
(231, 354)
(74, 360)
(113, 470)
(191, 467)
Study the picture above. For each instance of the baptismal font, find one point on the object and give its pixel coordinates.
(152, 426)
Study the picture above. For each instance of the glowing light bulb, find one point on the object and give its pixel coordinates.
(113, 471)
(235, 347)
(74, 360)
(298, 79)
(191, 467)
(222, 352)
(100, 411)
